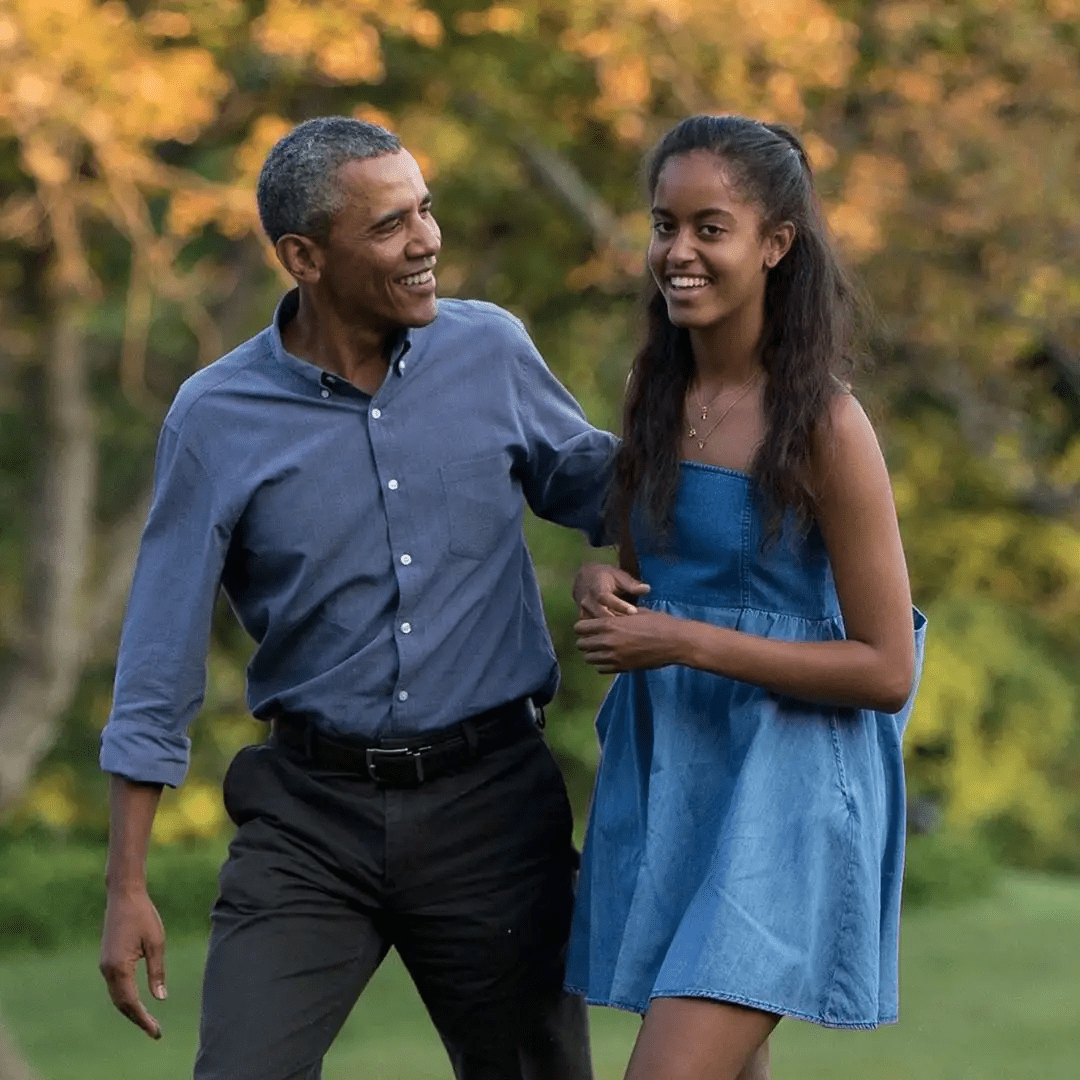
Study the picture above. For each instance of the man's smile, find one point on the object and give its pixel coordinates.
(419, 278)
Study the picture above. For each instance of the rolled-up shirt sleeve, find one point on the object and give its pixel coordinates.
(568, 465)
(161, 664)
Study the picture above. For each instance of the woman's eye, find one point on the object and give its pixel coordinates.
(713, 230)
(663, 228)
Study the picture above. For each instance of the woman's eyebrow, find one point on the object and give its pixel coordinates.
(711, 211)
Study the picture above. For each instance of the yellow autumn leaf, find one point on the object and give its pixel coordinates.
(192, 210)
(51, 801)
(353, 58)
(167, 24)
(44, 161)
(251, 153)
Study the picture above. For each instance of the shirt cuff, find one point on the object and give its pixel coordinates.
(144, 753)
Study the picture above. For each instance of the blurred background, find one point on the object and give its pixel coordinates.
(945, 135)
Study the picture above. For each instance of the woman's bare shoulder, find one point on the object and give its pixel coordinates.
(847, 439)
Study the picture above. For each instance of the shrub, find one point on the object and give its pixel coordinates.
(52, 897)
(945, 868)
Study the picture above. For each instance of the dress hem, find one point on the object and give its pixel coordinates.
(736, 999)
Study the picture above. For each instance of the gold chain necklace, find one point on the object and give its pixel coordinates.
(705, 408)
(692, 431)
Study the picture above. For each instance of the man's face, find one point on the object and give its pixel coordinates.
(378, 260)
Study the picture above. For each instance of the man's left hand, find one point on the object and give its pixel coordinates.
(602, 590)
(650, 639)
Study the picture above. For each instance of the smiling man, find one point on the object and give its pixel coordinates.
(354, 478)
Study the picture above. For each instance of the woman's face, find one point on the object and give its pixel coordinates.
(707, 253)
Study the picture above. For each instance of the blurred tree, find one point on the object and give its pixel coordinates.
(973, 107)
(81, 113)
(945, 137)
(80, 110)
(945, 140)
(12, 1066)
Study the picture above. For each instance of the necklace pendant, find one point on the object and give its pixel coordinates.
(704, 413)
(700, 445)
(692, 432)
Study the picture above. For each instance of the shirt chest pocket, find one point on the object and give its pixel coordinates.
(481, 502)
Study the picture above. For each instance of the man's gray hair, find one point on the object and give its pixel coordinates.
(298, 190)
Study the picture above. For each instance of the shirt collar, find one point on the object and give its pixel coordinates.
(286, 309)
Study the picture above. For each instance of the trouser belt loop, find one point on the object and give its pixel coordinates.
(472, 740)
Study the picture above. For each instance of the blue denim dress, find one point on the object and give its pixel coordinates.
(742, 846)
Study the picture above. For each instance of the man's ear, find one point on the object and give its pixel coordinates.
(778, 243)
(301, 257)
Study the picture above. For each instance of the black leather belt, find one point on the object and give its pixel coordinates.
(408, 762)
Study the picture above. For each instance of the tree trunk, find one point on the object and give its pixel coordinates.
(51, 643)
(12, 1066)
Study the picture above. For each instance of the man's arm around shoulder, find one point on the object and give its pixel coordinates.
(569, 461)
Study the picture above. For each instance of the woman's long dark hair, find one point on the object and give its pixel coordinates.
(806, 345)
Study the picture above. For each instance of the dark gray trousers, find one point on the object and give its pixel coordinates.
(470, 878)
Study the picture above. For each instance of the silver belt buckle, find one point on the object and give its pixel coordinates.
(374, 754)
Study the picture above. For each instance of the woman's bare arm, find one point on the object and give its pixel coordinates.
(874, 666)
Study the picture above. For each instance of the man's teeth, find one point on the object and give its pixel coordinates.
(688, 282)
(418, 279)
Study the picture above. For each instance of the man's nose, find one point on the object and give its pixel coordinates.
(426, 239)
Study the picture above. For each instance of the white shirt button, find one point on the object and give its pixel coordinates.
(392, 485)
(403, 695)
(376, 413)
(406, 628)
(325, 393)
(406, 559)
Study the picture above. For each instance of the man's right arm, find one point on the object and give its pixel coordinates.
(161, 664)
(133, 929)
(160, 681)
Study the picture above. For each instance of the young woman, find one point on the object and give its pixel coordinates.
(745, 845)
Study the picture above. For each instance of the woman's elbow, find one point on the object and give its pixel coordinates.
(895, 686)
(892, 703)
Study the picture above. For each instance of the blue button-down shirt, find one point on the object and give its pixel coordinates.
(371, 546)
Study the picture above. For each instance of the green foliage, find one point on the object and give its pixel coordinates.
(994, 714)
(988, 991)
(947, 868)
(966, 248)
(53, 896)
(993, 739)
(52, 890)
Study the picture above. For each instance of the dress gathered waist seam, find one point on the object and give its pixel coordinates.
(735, 610)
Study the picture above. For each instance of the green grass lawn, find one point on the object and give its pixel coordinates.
(990, 991)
